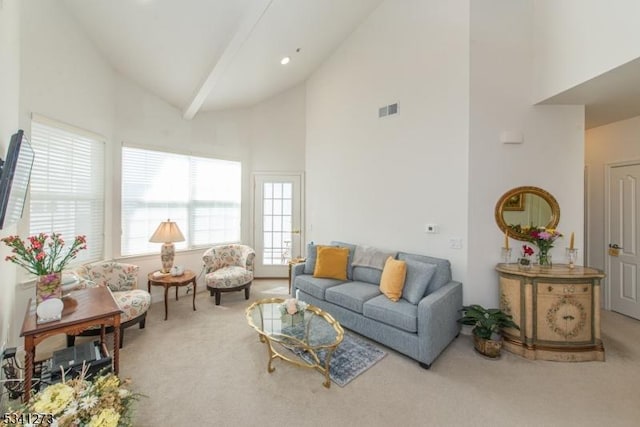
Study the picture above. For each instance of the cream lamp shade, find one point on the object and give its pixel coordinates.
(167, 233)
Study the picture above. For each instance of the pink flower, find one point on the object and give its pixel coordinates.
(544, 235)
(292, 307)
(527, 250)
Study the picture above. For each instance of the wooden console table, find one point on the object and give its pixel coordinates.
(557, 310)
(96, 306)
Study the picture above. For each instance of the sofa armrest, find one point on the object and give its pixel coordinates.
(438, 315)
(296, 270)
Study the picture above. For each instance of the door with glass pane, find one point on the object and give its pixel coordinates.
(277, 208)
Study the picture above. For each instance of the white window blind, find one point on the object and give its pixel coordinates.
(202, 195)
(67, 185)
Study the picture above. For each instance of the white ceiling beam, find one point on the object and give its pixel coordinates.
(253, 16)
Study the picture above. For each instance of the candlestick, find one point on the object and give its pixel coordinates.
(572, 256)
(506, 239)
(506, 255)
(571, 240)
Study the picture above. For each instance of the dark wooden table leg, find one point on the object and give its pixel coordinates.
(194, 293)
(176, 293)
(166, 291)
(116, 344)
(30, 354)
(149, 286)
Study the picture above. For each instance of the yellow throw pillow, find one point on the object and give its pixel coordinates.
(392, 280)
(331, 262)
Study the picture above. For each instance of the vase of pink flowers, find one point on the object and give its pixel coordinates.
(544, 238)
(292, 311)
(44, 256)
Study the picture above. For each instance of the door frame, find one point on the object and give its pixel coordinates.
(252, 196)
(606, 286)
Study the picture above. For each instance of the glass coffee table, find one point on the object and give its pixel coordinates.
(312, 335)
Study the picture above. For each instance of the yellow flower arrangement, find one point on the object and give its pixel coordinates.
(53, 399)
(106, 418)
(104, 402)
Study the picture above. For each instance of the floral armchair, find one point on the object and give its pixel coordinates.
(228, 268)
(122, 280)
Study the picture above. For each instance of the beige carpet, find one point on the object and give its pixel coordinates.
(207, 368)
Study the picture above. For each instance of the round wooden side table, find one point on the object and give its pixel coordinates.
(167, 281)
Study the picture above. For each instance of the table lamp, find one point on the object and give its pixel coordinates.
(167, 233)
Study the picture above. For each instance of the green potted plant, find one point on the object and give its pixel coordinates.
(487, 324)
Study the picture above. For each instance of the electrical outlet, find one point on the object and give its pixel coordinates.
(455, 243)
(431, 228)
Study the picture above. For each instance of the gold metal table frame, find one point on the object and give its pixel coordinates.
(264, 317)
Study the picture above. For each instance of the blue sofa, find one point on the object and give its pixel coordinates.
(420, 325)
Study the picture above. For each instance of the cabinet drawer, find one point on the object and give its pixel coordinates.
(564, 289)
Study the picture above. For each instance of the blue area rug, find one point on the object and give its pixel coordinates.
(352, 357)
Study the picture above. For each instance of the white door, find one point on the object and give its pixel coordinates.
(624, 239)
(277, 223)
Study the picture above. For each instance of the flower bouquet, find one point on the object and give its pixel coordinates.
(104, 402)
(292, 310)
(543, 238)
(45, 256)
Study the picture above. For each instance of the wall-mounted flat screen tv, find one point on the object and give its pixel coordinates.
(14, 179)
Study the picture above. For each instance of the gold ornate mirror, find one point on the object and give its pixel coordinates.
(523, 208)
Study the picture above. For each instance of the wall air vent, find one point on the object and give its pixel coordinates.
(388, 110)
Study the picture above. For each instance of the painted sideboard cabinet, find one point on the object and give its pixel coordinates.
(557, 310)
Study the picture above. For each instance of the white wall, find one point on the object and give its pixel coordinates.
(9, 104)
(63, 75)
(617, 142)
(576, 40)
(551, 156)
(378, 181)
(277, 132)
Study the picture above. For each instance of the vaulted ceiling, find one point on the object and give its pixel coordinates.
(205, 55)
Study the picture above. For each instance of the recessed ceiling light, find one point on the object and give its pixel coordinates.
(285, 60)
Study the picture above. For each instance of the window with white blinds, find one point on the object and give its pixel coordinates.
(67, 185)
(202, 195)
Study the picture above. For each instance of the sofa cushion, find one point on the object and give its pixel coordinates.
(228, 277)
(352, 295)
(392, 279)
(367, 274)
(331, 262)
(402, 314)
(352, 250)
(419, 275)
(133, 303)
(442, 275)
(315, 286)
(310, 262)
